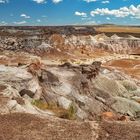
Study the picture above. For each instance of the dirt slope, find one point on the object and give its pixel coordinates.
(30, 127)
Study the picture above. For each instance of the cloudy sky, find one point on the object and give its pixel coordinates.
(67, 12)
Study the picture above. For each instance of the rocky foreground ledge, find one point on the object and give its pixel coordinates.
(67, 102)
(19, 126)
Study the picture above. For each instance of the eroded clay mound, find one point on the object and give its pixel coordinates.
(67, 41)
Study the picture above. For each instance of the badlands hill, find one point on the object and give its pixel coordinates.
(71, 82)
(70, 40)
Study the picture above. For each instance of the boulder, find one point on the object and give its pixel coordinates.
(135, 93)
(110, 86)
(129, 85)
(27, 92)
(126, 106)
(64, 102)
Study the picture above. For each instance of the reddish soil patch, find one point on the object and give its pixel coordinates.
(125, 63)
(128, 66)
(119, 131)
(2, 87)
(20, 126)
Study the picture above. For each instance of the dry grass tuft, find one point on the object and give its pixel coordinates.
(60, 112)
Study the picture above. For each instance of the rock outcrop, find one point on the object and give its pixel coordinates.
(68, 83)
(86, 90)
(42, 41)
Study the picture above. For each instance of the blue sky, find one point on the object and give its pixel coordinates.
(67, 12)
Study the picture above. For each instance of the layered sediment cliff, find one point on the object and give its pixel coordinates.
(40, 41)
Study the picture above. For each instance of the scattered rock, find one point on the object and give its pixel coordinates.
(129, 85)
(110, 86)
(28, 92)
(64, 102)
(126, 106)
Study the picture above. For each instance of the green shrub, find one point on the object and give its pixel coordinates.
(60, 112)
(40, 104)
(69, 114)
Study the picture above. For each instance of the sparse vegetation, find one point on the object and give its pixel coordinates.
(60, 112)
(69, 114)
(40, 104)
(118, 29)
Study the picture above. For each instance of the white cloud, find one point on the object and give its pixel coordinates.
(108, 18)
(86, 18)
(38, 20)
(40, 1)
(37, 1)
(25, 16)
(105, 2)
(4, 1)
(88, 1)
(136, 17)
(122, 12)
(92, 22)
(44, 16)
(20, 22)
(82, 14)
(45, 1)
(56, 1)
(3, 23)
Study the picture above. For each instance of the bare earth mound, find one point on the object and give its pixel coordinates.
(119, 131)
(21, 126)
(30, 127)
(128, 66)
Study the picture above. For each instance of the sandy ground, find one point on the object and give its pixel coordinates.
(21, 126)
(119, 131)
(30, 127)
